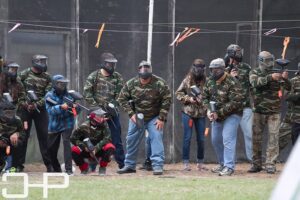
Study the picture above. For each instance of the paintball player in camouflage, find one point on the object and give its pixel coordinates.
(266, 86)
(152, 99)
(14, 87)
(193, 112)
(285, 130)
(225, 93)
(36, 78)
(11, 131)
(101, 88)
(95, 130)
(294, 99)
(240, 70)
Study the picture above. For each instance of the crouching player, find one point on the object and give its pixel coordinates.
(11, 131)
(92, 141)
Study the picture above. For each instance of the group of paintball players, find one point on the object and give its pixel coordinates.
(233, 94)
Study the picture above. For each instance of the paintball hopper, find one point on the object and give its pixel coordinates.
(32, 95)
(89, 144)
(195, 91)
(7, 97)
(140, 120)
(75, 95)
(212, 106)
(282, 62)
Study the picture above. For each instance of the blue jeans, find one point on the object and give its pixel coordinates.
(224, 136)
(246, 126)
(115, 129)
(187, 135)
(135, 137)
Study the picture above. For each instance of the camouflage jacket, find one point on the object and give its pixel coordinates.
(100, 90)
(265, 92)
(152, 99)
(227, 93)
(243, 78)
(39, 83)
(6, 130)
(294, 95)
(183, 93)
(98, 137)
(15, 89)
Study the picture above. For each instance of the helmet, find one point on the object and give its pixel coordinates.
(59, 83)
(235, 52)
(97, 117)
(217, 68)
(108, 62)
(40, 62)
(12, 69)
(265, 60)
(145, 69)
(7, 111)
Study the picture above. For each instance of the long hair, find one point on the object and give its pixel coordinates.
(193, 80)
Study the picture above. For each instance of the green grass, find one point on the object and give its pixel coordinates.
(119, 188)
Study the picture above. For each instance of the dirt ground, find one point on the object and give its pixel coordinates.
(172, 171)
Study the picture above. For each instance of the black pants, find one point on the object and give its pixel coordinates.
(41, 125)
(53, 146)
(2, 158)
(295, 132)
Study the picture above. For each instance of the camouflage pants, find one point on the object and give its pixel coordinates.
(260, 121)
(285, 132)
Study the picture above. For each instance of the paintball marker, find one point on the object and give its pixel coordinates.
(139, 116)
(75, 96)
(32, 99)
(89, 145)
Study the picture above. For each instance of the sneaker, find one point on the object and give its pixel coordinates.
(217, 169)
(254, 169)
(157, 171)
(102, 171)
(186, 167)
(126, 170)
(84, 172)
(271, 169)
(201, 167)
(49, 168)
(92, 167)
(147, 165)
(3, 166)
(226, 172)
(70, 173)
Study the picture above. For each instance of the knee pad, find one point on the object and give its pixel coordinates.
(76, 150)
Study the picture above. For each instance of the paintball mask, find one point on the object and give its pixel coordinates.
(40, 63)
(265, 60)
(97, 118)
(235, 52)
(12, 70)
(198, 69)
(145, 70)
(217, 68)
(60, 84)
(108, 63)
